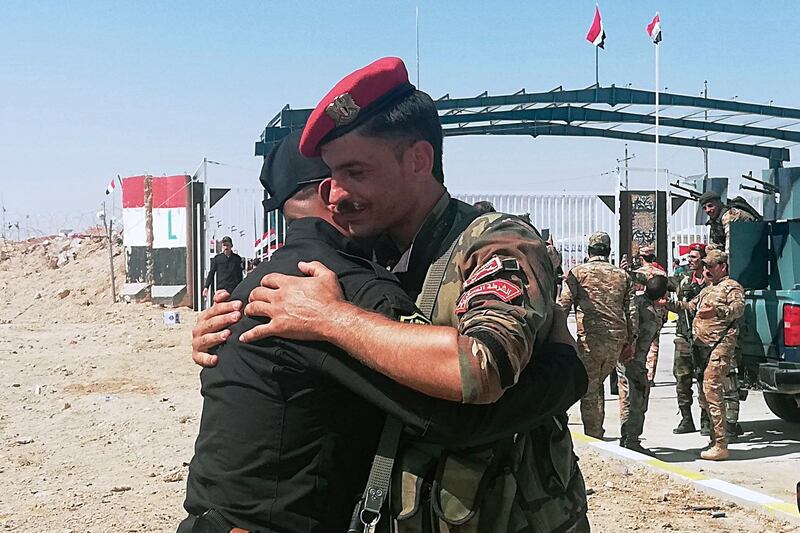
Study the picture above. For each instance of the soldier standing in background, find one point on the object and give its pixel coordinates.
(650, 268)
(227, 267)
(718, 308)
(634, 389)
(720, 218)
(689, 284)
(607, 328)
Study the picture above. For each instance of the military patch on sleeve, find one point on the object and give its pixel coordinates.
(416, 318)
(500, 288)
(494, 265)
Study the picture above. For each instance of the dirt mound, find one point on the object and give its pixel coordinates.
(58, 279)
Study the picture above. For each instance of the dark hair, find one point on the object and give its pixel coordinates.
(599, 249)
(412, 119)
(484, 206)
(655, 288)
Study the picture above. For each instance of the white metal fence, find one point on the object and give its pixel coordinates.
(571, 218)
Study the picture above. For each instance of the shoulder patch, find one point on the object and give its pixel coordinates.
(494, 265)
(501, 288)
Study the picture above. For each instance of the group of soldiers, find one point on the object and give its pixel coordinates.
(620, 313)
(403, 362)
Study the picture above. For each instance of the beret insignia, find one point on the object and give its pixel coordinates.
(343, 110)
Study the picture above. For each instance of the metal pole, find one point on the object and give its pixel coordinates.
(2, 203)
(705, 113)
(657, 142)
(597, 65)
(416, 22)
(108, 225)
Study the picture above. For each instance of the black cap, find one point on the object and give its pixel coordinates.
(286, 171)
(709, 196)
(226, 240)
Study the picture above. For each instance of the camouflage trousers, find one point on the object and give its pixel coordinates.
(652, 359)
(634, 395)
(599, 354)
(713, 384)
(683, 370)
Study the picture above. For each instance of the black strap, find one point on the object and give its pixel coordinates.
(380, 475)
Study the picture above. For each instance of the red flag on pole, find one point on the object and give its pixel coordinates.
(654, 29)
(597, 34)
(111, 186)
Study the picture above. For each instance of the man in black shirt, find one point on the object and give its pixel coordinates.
(228, 268)
(286, 438)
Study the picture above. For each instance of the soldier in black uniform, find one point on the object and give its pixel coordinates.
(227, 267)
(286, 438)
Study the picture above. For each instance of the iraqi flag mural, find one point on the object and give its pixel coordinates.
(170, 200)
(597, 33)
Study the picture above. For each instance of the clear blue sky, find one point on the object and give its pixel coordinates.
(92, 89)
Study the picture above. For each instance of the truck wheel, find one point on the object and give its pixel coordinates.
(784, 406)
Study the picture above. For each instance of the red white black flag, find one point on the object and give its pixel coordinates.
(654, 29)
(112, 185)
(597, 34)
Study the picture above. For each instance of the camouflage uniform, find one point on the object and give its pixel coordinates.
(720, 228)
(497, 292)
(689, 285)
(634, 389)
(715, 339)
(606, 315)
(644, 273)
(720, 235)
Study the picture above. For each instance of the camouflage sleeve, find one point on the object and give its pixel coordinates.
(632, 312)
(678, 306)
(568, 292)
(735, 300)
(726, 228)
(505, 306)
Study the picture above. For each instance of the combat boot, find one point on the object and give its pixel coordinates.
(734, 429)
(718, 452)
(705, 424)
(636, 447)
(686, 425)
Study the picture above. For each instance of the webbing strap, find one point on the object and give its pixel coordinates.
(380, 475)
(433, 282)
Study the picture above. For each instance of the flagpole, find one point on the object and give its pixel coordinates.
(597, 65)
(657, 141)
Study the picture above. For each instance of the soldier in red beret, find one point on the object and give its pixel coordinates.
(491, 306)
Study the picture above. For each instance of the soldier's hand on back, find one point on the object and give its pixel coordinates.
(210, 330)
(299, 308)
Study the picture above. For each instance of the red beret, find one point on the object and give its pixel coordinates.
(698, 247)
(358, 96)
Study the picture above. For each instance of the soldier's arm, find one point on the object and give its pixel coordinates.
(631, 312)
(501, 319)
(211, 273)
(735, 308)
(677, 306)
(568, 292)
(726, 227)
